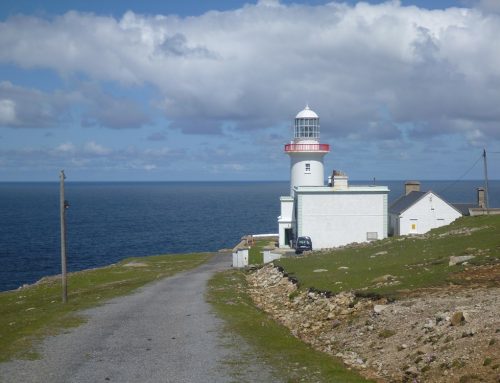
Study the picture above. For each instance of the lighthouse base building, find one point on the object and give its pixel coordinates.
(331, 215)
(334, 215)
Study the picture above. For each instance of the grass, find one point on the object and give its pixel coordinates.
(255, 256)
(404, 263)
(291, 359)
(29, 314)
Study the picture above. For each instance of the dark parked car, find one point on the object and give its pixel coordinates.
(303, 244)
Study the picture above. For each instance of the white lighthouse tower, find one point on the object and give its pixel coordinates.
(305, 151)
(330, 215)
(306, 169)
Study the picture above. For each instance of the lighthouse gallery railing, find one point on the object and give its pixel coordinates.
(307, 148)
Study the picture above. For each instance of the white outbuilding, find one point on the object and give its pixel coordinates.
(331, 215)
(417, 212)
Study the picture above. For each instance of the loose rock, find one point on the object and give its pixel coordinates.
(422, 345)
(456, 260)
(379, 308)
(457, 318)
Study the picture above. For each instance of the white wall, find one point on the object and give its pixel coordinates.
(286, 208)
(426, 214)
(338, 218)
(269, 256)
(298, 174)
(285, 219)
(240, 258)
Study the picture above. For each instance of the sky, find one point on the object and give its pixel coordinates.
(208, 90)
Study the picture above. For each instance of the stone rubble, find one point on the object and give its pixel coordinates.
(457, 260)
(440, 335)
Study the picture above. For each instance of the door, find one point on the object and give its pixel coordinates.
(289, 237)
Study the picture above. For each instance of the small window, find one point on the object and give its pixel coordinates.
(308, 168)
(371, 235)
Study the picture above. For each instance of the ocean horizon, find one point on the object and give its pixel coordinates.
(111, 220)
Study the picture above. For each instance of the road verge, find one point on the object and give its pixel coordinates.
(32, 312)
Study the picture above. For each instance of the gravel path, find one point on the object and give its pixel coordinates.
(165, 332)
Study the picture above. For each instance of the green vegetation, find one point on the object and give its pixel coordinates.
(390, 266)
(292, 359)
(255, 256)
(28, 314)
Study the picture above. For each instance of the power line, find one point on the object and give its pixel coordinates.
(462, 176)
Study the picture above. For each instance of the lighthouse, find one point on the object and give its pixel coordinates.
(330, 215)
(306, 152)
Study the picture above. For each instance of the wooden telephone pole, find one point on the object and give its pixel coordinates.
(63, 205)
(486, 199)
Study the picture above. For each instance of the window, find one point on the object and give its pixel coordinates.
(308, 168)
(371, 235)
(413, 224)
(306, 128)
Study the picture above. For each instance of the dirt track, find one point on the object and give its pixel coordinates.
(165, 332)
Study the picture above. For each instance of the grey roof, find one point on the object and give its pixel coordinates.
(464, 207)
(405, 201)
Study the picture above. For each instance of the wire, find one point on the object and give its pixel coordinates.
(462, 176)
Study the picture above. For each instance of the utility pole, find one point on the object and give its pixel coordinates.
(63, 205)
(486, 202)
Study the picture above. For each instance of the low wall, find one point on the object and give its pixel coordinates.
(492, 211)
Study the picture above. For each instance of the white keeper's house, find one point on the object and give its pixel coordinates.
(417, 212)
(332, 214)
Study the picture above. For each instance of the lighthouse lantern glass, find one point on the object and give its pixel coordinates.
(306, 128)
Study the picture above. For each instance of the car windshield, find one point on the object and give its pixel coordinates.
(303, 241)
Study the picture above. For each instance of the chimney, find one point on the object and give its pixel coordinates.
(411, 186)
(481, 202)
(340, 180)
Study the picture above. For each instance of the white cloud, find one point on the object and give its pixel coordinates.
(488, 5)
(359, 67)
(106, 110)
(66, 147)
(269, 3)
(30, 108)
(89, 156)
(22, 107)
(92, 147)
(7, 112)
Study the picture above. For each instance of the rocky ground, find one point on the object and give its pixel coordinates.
(449, 334)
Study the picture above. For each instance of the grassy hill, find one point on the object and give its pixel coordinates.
(396, 265)
(432, 317)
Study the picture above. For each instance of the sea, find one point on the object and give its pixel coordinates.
(107, 222)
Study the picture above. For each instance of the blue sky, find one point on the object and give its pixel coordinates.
(199, 90)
